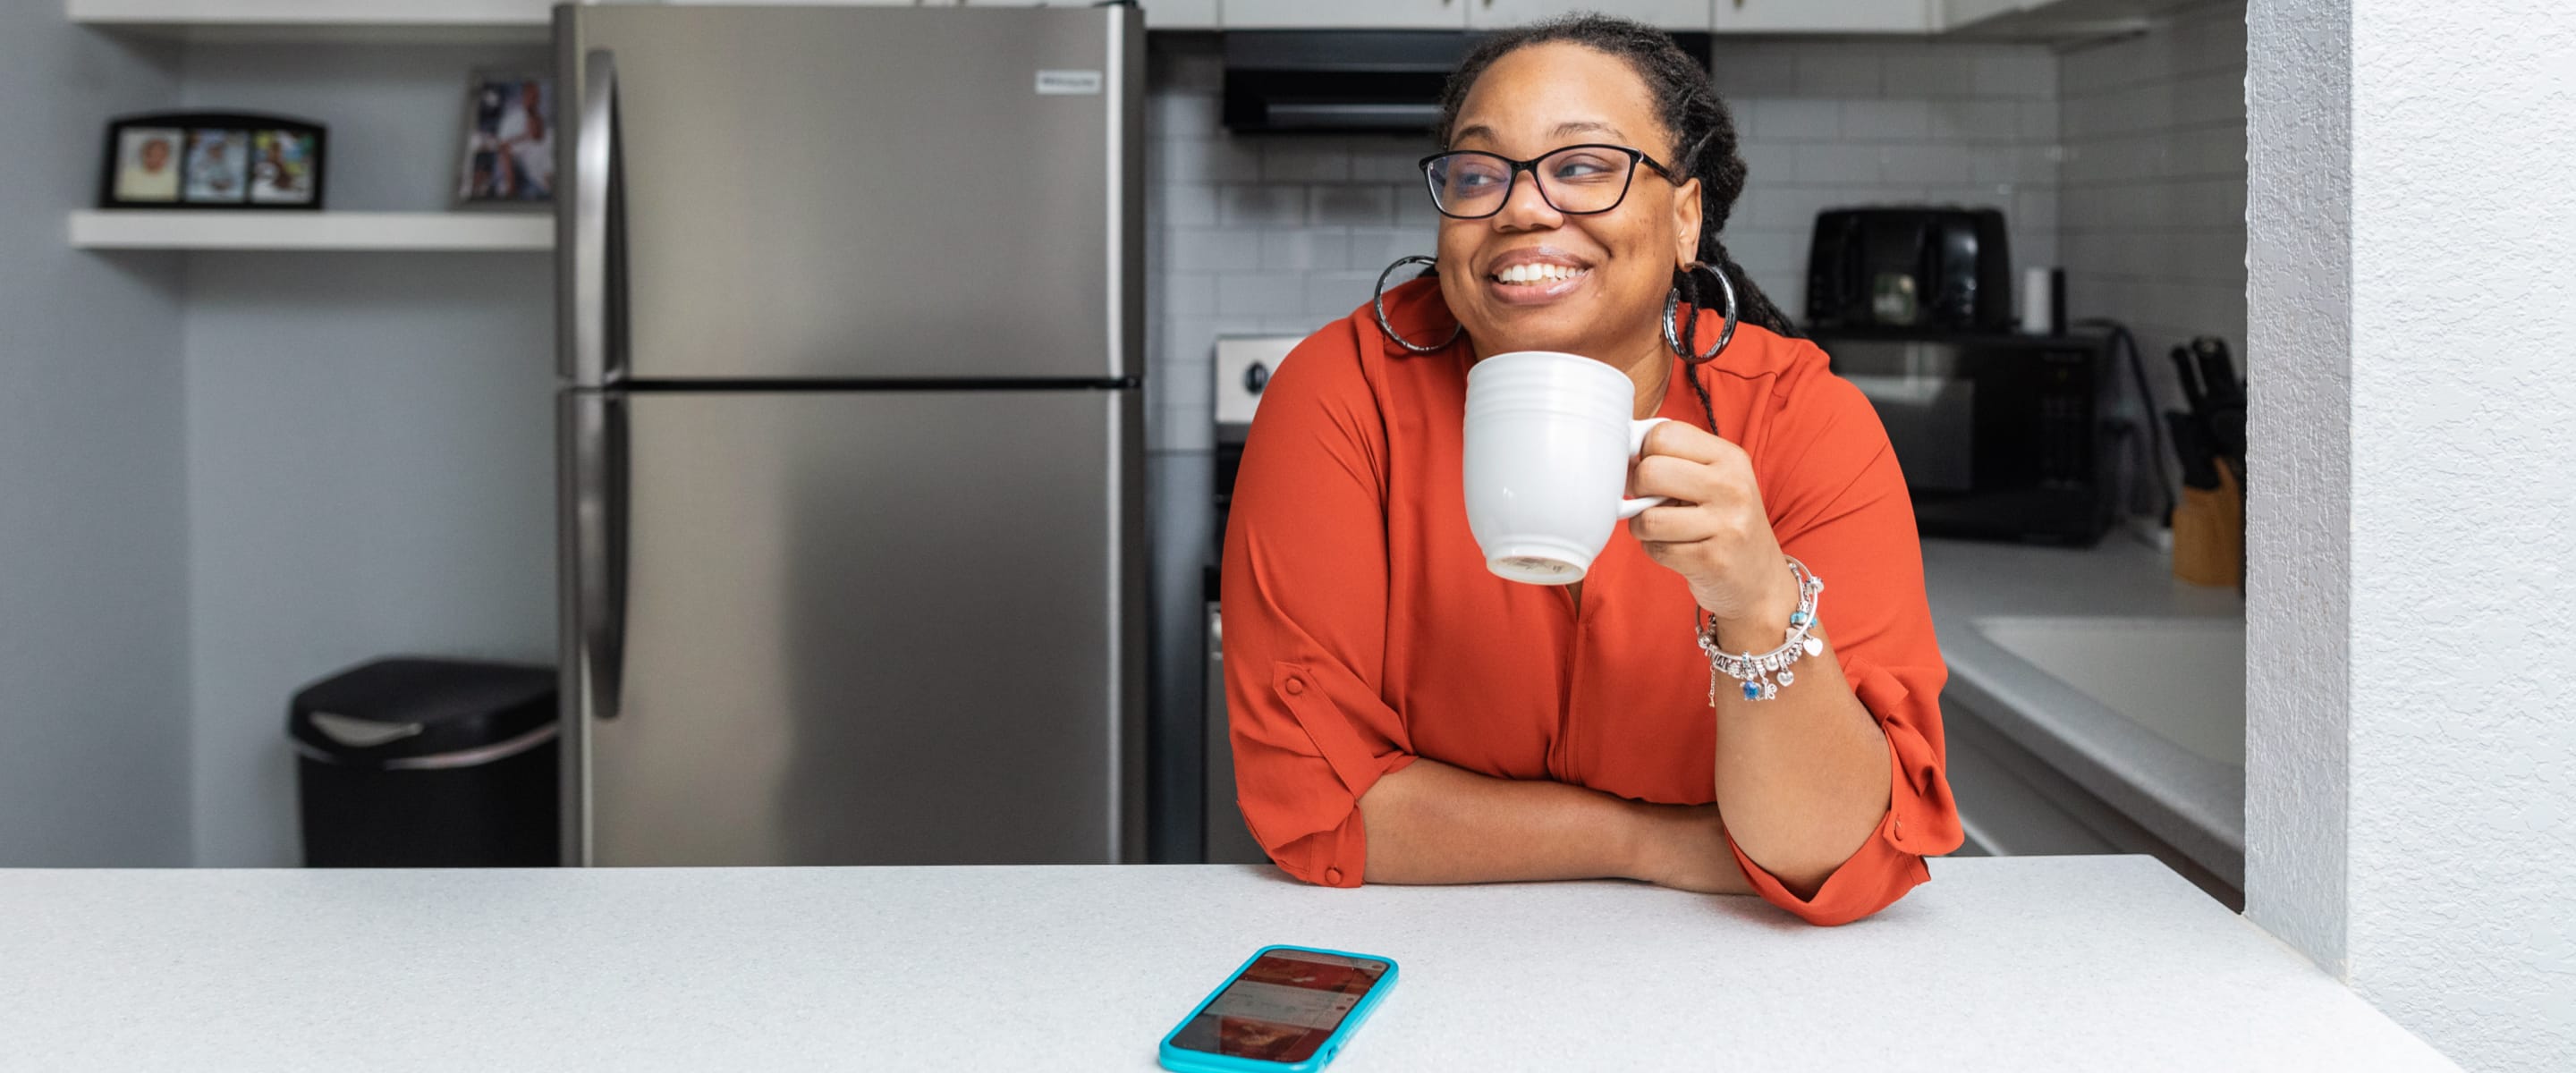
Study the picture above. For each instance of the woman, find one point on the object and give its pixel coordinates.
(1402, 715)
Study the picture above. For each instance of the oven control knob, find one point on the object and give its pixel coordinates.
(1256, 377)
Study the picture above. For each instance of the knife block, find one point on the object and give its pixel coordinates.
(2209, 533)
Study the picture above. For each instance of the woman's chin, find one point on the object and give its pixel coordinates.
(1562, 338)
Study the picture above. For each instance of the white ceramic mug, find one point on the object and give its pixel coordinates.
(1548, 445)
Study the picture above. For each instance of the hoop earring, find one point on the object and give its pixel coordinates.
(1377, 301)
(1672, 305)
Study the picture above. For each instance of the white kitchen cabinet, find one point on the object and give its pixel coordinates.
(1345, 14)
(1159, 14)
(413, 21)
(345, 12)
(1180, 14)
(1958, 13)
(2059, 20)
(1668, 14)
(1825, 16)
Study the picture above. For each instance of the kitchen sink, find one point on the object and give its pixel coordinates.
(2181, 679)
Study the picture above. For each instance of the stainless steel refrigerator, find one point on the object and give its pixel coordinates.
(850, 330)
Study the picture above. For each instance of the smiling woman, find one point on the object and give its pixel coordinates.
(1402, 714)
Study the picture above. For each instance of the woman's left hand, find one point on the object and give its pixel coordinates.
(1714, 532)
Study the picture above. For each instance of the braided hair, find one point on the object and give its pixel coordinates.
(1703, 132)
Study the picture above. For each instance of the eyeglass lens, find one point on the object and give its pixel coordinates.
(1577, 179)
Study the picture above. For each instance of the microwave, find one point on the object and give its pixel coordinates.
(2001, 437)
(1920, 268)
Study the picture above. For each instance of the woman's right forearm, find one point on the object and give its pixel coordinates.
(1432, 823)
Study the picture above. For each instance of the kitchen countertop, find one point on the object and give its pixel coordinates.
(2043, 963)
(2193, 803)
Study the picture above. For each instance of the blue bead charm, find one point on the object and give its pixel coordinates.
(1797, 618)
(1752, 691)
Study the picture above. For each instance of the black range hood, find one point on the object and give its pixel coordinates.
(1341, 81)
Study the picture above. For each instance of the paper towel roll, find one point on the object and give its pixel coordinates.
(2040, 296)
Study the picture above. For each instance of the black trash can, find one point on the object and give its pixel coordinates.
(428, 763)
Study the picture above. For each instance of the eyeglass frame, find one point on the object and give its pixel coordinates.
(1635, 157)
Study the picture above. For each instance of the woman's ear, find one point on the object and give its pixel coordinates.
(1686, 221)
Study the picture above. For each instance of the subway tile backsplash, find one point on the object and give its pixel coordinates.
(2153, 182)
(1284, 233)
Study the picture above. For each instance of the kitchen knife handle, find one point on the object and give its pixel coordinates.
(594, 299)
(2218, 378)
(2192, 394)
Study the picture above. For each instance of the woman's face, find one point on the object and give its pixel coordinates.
(1534, 100)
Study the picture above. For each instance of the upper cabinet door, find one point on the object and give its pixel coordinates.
(1668, 14)
(1824, 16)
(1345, 14)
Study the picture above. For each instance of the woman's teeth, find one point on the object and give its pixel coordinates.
(1539, 273)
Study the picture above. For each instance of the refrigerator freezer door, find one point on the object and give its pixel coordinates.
(865, 193)
(887, 627)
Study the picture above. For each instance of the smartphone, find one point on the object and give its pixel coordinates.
(1288, 1010)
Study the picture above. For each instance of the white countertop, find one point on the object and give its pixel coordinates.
(2193, 803)
(2017, 963)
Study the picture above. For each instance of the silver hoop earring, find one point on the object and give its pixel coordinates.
(1672, 304)
(1377, 301)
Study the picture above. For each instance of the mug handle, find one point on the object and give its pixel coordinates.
(1630, 508)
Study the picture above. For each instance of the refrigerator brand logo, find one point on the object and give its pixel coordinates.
(1068, 83)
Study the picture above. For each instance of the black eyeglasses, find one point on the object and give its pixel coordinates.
(1578, 180)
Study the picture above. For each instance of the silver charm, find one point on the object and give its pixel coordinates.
(1762, 675)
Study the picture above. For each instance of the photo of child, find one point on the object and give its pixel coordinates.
(218, 165)
(147, 164)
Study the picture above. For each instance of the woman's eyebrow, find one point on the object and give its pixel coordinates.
(1563, 130)
(1585, 127)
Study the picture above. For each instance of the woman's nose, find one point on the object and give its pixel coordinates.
(1524, 207)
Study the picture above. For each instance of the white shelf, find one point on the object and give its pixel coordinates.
(417, 21)
(153, 229)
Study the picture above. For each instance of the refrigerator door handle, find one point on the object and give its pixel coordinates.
(596, 317)
(599, 504)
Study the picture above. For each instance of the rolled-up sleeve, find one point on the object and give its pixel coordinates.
(1304, 606)
(1842, 509)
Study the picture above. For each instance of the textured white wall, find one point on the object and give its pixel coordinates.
(2435, 556)
(93, 584)
(2298, 570)
(2463, 841)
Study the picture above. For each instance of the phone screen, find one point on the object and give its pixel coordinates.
(1282, 1006)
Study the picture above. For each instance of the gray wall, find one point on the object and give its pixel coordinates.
(370, 436)
(93, 612)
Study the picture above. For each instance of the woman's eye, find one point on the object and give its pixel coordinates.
(1582, 167)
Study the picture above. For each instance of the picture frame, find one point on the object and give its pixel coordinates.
(213, 161)
(508, 155)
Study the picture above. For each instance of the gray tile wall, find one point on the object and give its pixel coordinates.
(2153, 226)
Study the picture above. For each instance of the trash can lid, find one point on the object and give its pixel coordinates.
(408, 708)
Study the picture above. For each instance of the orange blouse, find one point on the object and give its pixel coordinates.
(1362, 628)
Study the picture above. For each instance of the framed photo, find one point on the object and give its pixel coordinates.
(212, 160)
(509, 139)
(281, 166)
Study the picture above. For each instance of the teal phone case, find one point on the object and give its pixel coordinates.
(1183, 1060)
